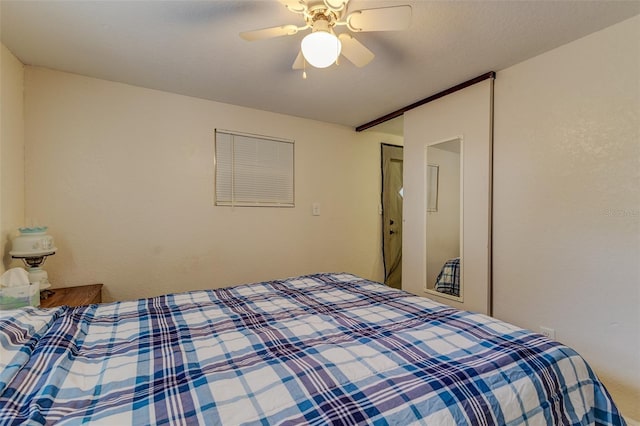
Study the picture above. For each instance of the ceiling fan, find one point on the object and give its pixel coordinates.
(321, 48)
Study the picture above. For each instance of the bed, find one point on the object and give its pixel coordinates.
(448, 280)
(316, 349)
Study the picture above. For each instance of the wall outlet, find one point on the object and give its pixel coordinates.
(549, 332)
(315, 209)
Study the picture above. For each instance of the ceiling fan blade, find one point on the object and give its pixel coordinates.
(298, 64)
(355, 51)
(295, 6)
(336, 5)
(394, 18)
(272, 32)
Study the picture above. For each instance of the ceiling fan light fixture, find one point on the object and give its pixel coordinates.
(321, 48)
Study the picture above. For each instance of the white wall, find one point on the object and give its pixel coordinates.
(11, 152)
(123, 176)
(567, 201)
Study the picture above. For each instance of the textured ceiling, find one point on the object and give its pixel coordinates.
(193, 48)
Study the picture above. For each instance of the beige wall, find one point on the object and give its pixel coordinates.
(567, 201)
(11, 152)
(123, 176)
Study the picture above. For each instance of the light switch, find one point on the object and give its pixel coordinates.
(315, 209)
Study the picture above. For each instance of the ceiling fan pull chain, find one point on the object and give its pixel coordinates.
(304, 69)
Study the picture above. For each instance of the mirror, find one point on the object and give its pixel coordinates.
(443, 174)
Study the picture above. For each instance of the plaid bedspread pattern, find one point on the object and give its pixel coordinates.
(448, 280)
(319, 349)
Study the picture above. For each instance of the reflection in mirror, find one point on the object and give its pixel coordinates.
(443, 218)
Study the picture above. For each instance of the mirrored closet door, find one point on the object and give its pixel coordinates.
(447, 187)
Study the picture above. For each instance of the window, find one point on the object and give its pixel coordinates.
(253, 170)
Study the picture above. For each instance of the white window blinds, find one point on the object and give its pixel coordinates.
(253, 170)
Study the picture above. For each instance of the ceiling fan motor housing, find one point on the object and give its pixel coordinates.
(321, 19)
(321, 24)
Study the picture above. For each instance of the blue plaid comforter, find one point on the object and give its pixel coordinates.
(318, 349)
(448, 280)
